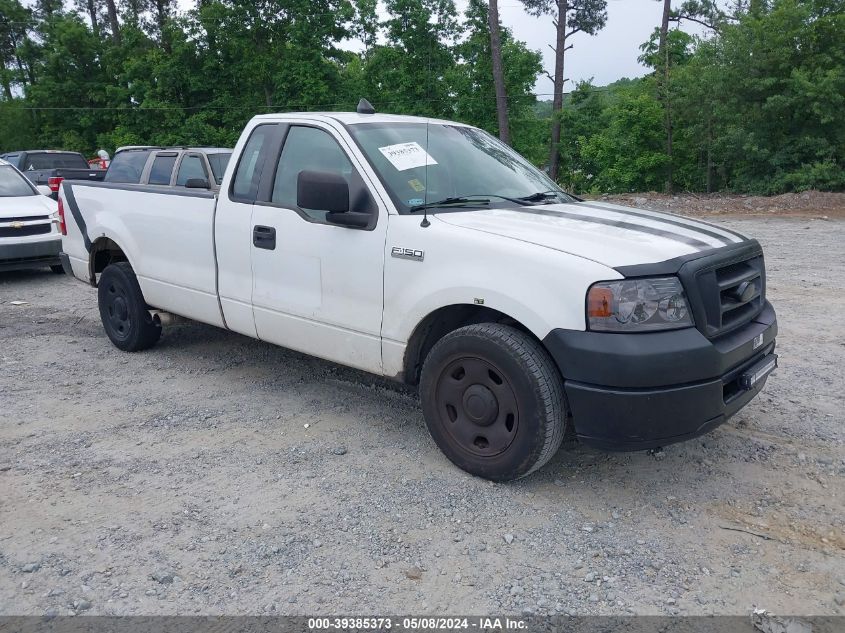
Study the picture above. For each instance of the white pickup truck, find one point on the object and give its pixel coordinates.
(429, 252)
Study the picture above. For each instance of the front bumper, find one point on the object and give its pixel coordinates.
(638, 391)
(22, 255)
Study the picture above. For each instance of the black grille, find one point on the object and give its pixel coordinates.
(728, 294)
(740, 292)
(32, 229)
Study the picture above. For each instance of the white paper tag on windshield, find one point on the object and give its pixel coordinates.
(407, 155)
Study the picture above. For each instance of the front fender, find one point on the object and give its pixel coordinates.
(539, 287)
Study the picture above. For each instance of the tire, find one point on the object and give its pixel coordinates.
(123, 310)
(493, 401)
(58, 269)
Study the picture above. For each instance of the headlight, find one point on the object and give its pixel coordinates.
(637, 305)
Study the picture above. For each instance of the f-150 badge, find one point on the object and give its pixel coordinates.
(407, 253)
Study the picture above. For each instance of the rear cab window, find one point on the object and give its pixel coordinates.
(247, 177)
(54, 160)
(127, 166)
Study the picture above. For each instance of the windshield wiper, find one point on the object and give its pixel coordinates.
(482, 199)
(540, 195)
(451, 202)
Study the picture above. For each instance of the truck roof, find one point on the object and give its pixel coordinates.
(352, 118)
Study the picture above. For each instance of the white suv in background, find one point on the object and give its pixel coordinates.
(30, 235)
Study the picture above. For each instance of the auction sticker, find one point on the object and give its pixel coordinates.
(404, 156)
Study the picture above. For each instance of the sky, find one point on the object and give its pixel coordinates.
(607, 56)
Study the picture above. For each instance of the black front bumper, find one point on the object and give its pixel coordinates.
(30, 255)
(638, 391)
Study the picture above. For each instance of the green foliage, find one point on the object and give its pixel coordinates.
(766, 98)
(757, 106)
(626, 154)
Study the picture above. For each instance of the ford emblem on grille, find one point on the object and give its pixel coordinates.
(745, 291)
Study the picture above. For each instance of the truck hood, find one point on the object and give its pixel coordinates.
(26, 206)
(610, 234)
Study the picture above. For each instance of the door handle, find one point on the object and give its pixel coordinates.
(264, 237)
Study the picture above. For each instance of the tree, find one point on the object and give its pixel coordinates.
(471, 80)
(15, 24)
(664, 90)
(113, 21)
(569, 17)
(498, 73)
(409, 72)
(365, 24)
(627, 153)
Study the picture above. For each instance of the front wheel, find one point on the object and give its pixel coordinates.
(493, 401)
(124, 312)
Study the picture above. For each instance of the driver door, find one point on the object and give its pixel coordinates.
(317, 287)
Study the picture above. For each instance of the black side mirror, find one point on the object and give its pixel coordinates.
(196, 183)
(322, 191)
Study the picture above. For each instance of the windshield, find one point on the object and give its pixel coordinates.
(461, 162)
(218, 164)
(127, 166)
(13, 185)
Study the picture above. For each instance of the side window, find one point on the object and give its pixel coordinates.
(307, 148)
(161, 169)
(248, 173)
(190, 167)
(127, 166)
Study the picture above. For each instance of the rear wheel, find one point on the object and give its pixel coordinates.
(124, 312)
(493, 401)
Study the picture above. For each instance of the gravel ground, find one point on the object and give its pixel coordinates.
(815, 204)
(215, 474)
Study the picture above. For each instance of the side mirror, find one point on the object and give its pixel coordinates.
(322, 191)
(44, 190)
(196, 183)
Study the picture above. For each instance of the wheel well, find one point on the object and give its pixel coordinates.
(438, 324)
(104, 251)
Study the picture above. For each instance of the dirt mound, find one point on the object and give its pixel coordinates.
(805, 204)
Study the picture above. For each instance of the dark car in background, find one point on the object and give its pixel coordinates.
(49, 167)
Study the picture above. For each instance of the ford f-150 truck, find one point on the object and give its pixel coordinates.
(429, 252)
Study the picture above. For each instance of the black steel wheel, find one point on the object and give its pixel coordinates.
(480, 408)
(493, 401)
(126, 318)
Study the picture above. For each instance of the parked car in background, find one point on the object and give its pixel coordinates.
(195, 167)
(29, 223)
(49, 167)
